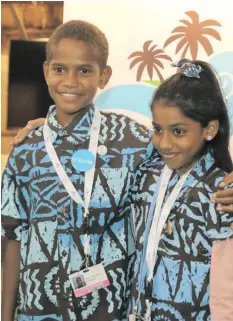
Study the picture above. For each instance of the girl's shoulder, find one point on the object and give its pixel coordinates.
(214, 178)
(207, 173)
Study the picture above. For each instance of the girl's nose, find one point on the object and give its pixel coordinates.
(165, 142)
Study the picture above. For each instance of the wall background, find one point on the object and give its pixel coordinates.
(139, 29)
(154, 33)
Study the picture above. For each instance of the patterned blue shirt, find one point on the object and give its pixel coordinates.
(38, 212)
(180, 287)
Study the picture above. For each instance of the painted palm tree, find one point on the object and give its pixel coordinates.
(148, 58)
(194, 33)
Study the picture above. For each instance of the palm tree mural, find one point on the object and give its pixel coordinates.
(148, 58)
(193, 33)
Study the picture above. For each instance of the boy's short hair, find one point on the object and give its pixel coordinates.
(84, 31)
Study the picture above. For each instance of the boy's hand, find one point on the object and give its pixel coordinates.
(22, 134)
(224, 196)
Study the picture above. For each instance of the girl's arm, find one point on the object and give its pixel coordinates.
(11, 272)
(22, 134)
(221, 281)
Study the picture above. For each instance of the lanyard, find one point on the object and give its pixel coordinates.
(89, 175)
(160, 215)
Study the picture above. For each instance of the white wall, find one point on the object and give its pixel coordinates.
(128, 24)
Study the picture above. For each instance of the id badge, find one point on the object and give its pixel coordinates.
(88, 280)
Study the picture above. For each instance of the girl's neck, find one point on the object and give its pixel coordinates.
(184, 169)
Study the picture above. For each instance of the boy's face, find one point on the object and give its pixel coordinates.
(73, 76)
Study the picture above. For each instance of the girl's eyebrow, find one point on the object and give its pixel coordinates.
(173, 125)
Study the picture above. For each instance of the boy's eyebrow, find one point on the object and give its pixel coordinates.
(60, 64)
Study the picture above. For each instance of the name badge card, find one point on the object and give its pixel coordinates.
(88, 280)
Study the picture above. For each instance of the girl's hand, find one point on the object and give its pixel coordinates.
(224, 196)
(22, 134)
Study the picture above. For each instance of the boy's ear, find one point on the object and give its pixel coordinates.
(211, 129)
(46, 70)
(106, 74)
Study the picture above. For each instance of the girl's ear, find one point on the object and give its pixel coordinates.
(211, 130)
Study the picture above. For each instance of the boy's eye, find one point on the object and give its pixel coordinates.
(59, 69)
(85, 71)
(179, 131)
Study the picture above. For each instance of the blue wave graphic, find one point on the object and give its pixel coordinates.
(135, 98)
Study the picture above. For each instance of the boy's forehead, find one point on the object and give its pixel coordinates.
(71, 50)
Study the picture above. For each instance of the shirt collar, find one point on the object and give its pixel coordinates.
(77, 130)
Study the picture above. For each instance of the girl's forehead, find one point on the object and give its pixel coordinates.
(169, 115)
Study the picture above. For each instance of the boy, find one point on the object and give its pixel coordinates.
(56, 233)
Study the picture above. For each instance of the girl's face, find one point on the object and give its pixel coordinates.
(177, 138)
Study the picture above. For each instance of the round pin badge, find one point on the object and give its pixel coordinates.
(102, 150)
(83, 160)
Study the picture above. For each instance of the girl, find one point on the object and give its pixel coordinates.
(177, 227)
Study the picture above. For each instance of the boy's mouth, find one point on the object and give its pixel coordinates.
(70, 94)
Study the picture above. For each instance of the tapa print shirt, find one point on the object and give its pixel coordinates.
(38, 212)
(180, 287)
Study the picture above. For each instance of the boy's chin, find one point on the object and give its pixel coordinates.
(72, 110)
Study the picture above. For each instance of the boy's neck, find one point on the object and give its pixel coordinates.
(64, 118)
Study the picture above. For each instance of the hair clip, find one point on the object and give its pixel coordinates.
(188, 69)
(177, 63)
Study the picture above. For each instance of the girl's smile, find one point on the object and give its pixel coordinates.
(177, 138)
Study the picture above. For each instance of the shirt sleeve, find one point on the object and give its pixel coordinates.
(218, 222)
(11, 222)
(221, 281)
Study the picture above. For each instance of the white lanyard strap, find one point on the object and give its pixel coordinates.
(160, 216)
(89, 175)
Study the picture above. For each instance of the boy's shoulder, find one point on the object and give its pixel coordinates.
(153, 164)
(129, 122)
(31, 143)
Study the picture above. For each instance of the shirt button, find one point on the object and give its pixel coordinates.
(64, 133)
(64, 253)
(60, 220)
(65, 297)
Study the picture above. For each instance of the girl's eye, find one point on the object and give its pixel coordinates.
(157, 129)
(179, 132)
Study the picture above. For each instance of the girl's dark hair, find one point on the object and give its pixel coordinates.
(200, 99)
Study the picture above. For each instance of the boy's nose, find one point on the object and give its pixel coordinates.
(71, 81)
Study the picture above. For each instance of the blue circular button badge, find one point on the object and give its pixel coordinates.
(83, 160)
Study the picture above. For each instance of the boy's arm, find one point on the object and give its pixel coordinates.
(11, 271)
(221, 281)
(225, 197)
(13, 220)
